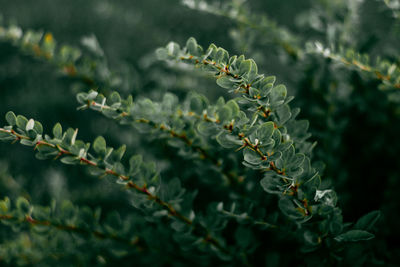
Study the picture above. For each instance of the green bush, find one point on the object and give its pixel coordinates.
(202, 158)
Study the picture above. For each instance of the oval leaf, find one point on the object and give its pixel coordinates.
(354, 236)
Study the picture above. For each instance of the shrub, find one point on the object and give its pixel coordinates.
(228, 177)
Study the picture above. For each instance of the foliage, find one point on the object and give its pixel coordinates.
(388, 73)
(217, 174)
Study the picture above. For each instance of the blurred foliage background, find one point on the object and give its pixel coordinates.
(356, 125)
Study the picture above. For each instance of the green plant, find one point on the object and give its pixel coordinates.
(224, 178)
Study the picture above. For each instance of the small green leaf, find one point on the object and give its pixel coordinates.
(211, 51)
(265, 131)
(311, 186)
(21, 122)
(115, 98)
(282, 114)
(134, 164)
(6, 136)
(228, 140)
(252, 74)
(367, 221)
(224, 114)
(92, 44)
(207, 128)
(119, 168)
(169, 102)
(81, 98)
(354, 236)
(267, 84)
(193, 48)
(191, 45)
(57, 131)
(336, 224)
(253, 92)
(226, 82)
(232, 61)
(278, 95)
(30, 125)
(237, 61)
(271, 183)
(288, 208)
(47, 149)
(73, 138)
(197, 103)
(251, 157)
(222, 56)
(173, 49)
(70, 160)
(69, 54)
(95, 171)
(162, 53)
(23, 205)
(38, 127)
(296, 161)
(11, 118)
(245, 67)
(233, 105)
(178, 226)
(31, 134)
(99, 145)
(117, 154)
(26, 142)
(110, 113)
(92, 95)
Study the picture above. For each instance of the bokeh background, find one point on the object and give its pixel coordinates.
(356, 125)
